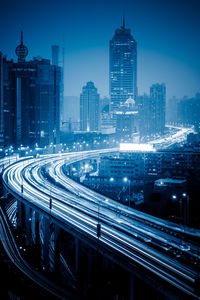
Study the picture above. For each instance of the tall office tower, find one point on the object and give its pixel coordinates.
(55, 55)
(31, 100)
(71, 112)
(146, 115)
(123, 67)
(55, 62)
(127, 119)
(158, 96)
(189, 111)
(171, 110)
(89, 108)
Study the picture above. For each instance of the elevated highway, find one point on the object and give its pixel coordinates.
(163, 248)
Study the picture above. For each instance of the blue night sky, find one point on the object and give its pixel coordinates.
(167, 34)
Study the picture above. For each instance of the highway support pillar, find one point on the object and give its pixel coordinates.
(28, 225)
(90, 266)
(20, 209)
(77, 245)
(5, 193)
(131, 289)
(45, 246)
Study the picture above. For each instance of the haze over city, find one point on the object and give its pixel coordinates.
(100, 150)
(167, 35)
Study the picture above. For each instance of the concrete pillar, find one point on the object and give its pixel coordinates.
(105, 263)
(90, 266)
(35, 228)
(77, 244)
(131, 289)
(19, 214)
(28, 225)
(5, 193)
(45, 234)
(56, 248)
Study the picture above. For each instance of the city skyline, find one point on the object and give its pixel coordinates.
(159, 28)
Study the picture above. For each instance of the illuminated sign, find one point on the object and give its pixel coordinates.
(136, 147)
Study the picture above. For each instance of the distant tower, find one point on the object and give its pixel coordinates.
(21, 50)
(31, 112)
(62, 117)
(89, 108)
(158, 98)
(123, 67)
(55, 54)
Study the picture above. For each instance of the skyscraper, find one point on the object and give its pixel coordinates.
(127, 119)
(152, 111)
(123, 67)
(89, 108)
(31, 100)
(146, 115)
(158, 97)
(56, 62)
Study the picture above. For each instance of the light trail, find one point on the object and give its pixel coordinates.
(140, 237)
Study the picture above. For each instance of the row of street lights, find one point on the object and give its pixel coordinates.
(184, 206)
(126, 180)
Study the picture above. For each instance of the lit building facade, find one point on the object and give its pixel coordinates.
(146, 112)
(123, 67)
(188, 111)
(31, 100)
(152, 110)
(158, 97)
(89, 108)
(127, 119)
(140, 165)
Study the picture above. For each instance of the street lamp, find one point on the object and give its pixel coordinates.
(174, 197)
(112, 179)
(125, 179)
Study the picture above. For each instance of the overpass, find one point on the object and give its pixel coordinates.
(162, 248)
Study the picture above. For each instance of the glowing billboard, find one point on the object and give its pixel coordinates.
(136, 147)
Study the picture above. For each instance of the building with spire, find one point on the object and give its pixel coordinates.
(123, 67)
(21, 50)
(30, 95)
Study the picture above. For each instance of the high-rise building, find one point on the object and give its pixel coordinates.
(152, 111)
(127, 119)
(89, 108)
(71, 113)
(188, 111)
(158, 97)
(171, 110)
(56, 62)
(146, 115)
(123, 67)
(31, 100)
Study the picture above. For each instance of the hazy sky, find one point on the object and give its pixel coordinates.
(167, 35)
